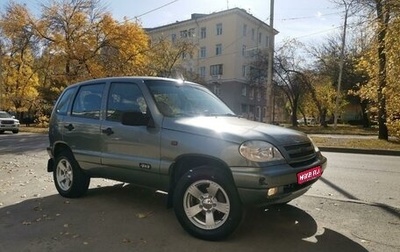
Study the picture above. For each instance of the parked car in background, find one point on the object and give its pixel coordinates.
(8, 123)
(310, 121)
(177, 137)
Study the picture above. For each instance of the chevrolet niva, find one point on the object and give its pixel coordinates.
(178, 137)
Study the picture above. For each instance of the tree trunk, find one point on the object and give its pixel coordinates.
(383, 20)
(365, 120)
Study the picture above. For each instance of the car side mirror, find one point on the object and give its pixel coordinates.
(136, 118)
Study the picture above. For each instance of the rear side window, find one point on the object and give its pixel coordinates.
(88, 101)
(62, 106)
(124, 97)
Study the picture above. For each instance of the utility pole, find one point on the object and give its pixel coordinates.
(341, 62)
(269, 103)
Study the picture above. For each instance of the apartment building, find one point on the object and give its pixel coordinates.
(228, 44)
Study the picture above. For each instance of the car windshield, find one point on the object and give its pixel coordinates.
(4, 114)
(183, 99)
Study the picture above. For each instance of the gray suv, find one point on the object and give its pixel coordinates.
(178, 137)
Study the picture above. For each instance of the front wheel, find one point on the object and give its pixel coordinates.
(206, 204)
(69, 179)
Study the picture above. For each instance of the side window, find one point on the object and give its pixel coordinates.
(62, 106)
(88, 101)
(124, 97)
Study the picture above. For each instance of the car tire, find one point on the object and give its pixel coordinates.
(207, 204)
(69, 179)
(15, 131)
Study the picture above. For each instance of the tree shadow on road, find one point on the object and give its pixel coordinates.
(22, 143)
(127, 218)
(288, 228)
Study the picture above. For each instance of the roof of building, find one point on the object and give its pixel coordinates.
(199, 17)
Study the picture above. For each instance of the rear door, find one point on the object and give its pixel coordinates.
(82, 128)
(130, 153)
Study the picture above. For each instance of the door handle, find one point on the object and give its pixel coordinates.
(108, 131)
(69, 127)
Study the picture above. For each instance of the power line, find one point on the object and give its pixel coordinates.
(150, 11)
(309, 17)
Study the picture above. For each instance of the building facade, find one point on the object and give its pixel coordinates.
(228, 44)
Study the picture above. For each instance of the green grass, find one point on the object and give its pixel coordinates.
(341, 129)
(371, 142)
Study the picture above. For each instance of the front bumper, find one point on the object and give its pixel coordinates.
(9, 127)
(253, 183)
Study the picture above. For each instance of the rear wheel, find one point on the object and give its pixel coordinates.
(69, 179)
(15, 131)
(206, 204)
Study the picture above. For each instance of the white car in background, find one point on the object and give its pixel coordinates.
(8, 123)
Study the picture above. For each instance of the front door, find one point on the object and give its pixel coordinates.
(130, 153)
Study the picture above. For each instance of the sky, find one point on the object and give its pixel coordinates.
(306, 20)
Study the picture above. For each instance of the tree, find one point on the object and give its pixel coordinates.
(381, 60)
(18, 78)
(82, 41)
(326, 64)
(166, 56)
(289, 77)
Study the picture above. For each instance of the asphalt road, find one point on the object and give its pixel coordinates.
(354, 207)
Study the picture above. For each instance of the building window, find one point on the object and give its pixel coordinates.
(244, 30)
(244, 90)
(203, 32)
(244, 50)
(216, 69)
(183, 33)
(219, 29)
(259, 38)
(191, 33)
(251, 95)
(173, 38)
(244, 108)
(258, 113)
(266, 41)
(253, 34)
(244, 70)
(218, 49)
(217, 89)
(203, 51)
(202, 72)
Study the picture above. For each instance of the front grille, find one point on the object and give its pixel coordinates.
(7, 122)
(300, 154)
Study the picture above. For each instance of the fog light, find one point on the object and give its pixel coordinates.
(272, 191)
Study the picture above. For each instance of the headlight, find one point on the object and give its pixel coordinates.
(316, 149)
(259, 151)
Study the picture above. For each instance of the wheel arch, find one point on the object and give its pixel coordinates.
(185, 163)
(57, 149)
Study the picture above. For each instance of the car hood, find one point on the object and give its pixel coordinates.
(10, 119)
(235, 129)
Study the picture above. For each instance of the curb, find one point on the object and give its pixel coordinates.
(360, 151)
